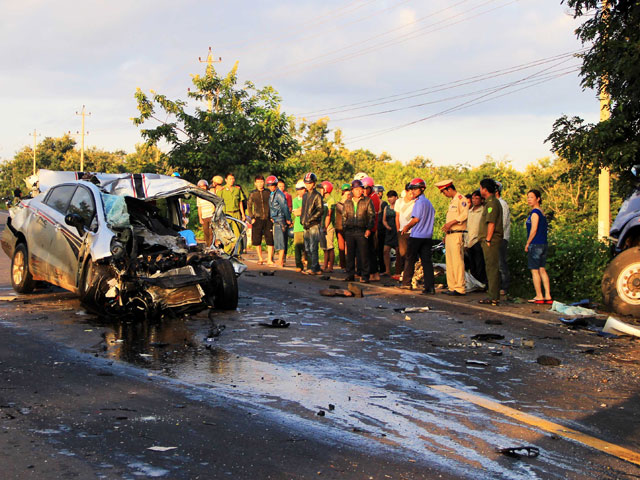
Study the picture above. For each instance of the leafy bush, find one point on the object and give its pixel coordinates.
(575, 262)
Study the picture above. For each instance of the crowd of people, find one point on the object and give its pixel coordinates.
(367, 228)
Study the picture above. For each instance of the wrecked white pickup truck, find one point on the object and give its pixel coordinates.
(117, 240)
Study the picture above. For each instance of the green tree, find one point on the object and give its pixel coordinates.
(613, 40)
(245, 132)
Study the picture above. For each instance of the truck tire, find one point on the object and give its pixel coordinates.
(226, 285)
(21, 279)
(621, 283)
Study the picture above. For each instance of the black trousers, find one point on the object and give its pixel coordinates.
(476, 263)
(419, 248)
(357, 245)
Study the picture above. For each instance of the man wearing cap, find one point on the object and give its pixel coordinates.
(454, 228)
(280, 216)
(258, 211)
(310, 217)
(504, 244)
(346, 195)
(298, 230)
(367, 183)
(205, 214)
(420, 229)
(358, 219)
(490, 237)
(216, 184)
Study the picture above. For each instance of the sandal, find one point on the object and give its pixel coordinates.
(548, 301)
(536, 301)
(260, 262)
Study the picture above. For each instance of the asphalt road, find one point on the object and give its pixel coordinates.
(352, 389)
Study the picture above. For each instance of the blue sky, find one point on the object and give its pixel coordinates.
(319, 56)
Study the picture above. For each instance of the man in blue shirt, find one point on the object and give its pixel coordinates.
(420, 229)
(281, 218)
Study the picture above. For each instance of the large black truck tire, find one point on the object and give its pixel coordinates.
(621, 283)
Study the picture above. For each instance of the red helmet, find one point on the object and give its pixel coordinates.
(417, 183)
(271, 181)
(367, 182)
(328, 186)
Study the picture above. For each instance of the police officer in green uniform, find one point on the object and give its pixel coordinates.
(490, 237)
(233, 202)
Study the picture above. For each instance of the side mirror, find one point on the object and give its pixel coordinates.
(75, 220)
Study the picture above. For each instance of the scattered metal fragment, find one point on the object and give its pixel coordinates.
(412, 309)
(478, 363)
(519, 452)
(157, 448)
(548, 361)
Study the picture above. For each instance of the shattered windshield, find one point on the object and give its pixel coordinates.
(115, 210)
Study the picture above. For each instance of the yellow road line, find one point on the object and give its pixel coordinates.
(606, 447)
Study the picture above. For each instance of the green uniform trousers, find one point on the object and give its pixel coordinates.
(492, 266)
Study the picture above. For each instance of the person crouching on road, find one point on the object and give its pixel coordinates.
(358, 219)
(280, 216)
(310, 217)
(258, 211)
(420, 229)
(298, 230)
(490, 238)
(205, 214)
(454, 229)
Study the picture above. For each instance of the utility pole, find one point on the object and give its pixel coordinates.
(210, 61)
(34, 135)
(604, 207)
(83, 114)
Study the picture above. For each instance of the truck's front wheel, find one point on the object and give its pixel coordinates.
(621, 283)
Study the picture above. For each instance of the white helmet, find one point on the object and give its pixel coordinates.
(299, 185)
(360, 176)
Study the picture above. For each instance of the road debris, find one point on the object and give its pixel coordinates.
(214, 332)
(477, 363)
(487, 337)
(334, 292)
(412, 309)
(519, 452)
(276, 323)
(560, 307)
(549, 361)
(618, 327)
(157, 448)
(268, 274)
(355, 289)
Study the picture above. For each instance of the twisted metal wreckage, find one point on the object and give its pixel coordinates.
(118, 241)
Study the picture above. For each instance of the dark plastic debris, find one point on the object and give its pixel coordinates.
(276, 323)
(493, 322)
(487, 337)
(519, 452)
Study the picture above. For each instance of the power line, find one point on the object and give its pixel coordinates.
(435, 88)
(477, 101)
(455, 97)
